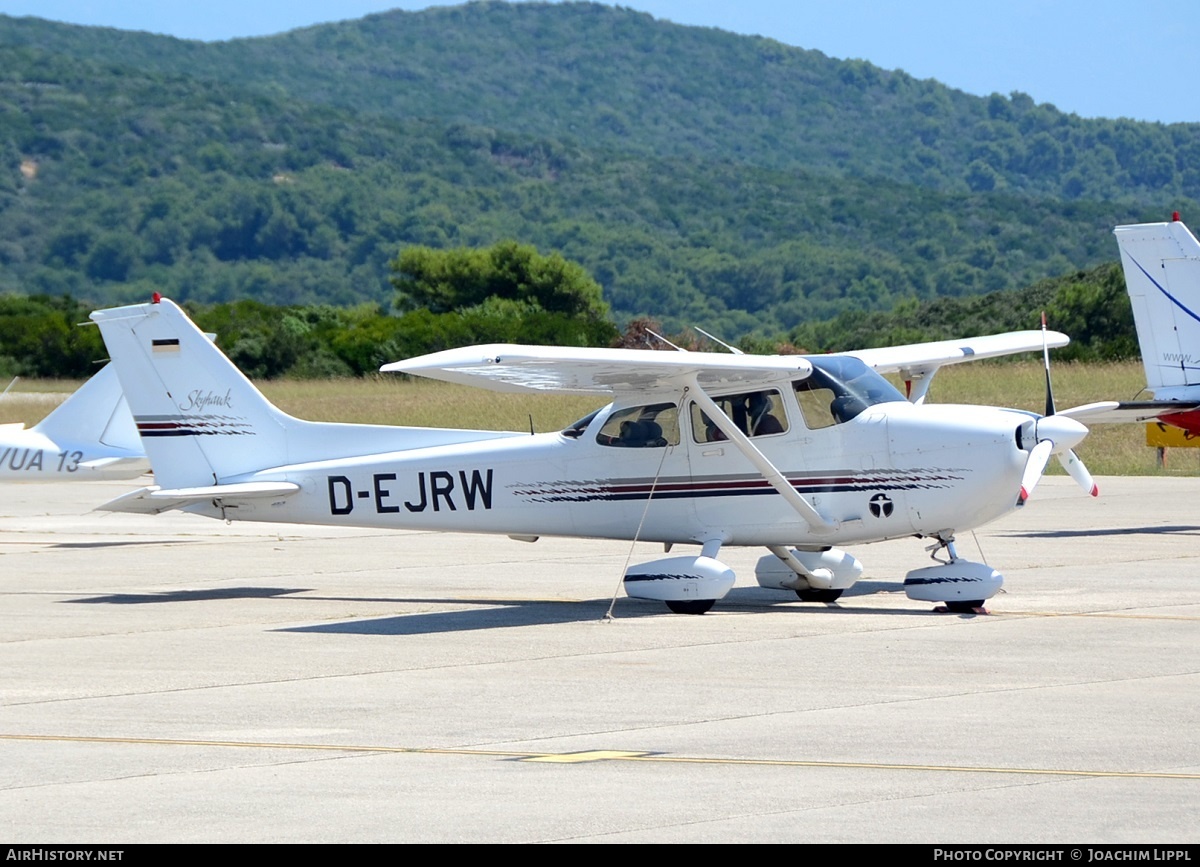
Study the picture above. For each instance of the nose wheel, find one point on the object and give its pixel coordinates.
(955, 585)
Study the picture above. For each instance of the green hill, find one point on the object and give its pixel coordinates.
(700, 176)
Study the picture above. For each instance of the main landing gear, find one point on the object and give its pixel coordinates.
(690, 606)
(688, 585)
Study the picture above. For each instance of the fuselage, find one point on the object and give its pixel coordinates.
(1188, 420)
(892, 470)
(1187, 396)
(28, 455)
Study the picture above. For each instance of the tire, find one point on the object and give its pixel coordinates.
(810, 594)
(961, 607)
(690, 606)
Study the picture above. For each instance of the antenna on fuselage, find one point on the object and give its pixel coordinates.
(732, 349)
(664, 340)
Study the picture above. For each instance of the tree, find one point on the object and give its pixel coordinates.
(508, 288)
(446, 280)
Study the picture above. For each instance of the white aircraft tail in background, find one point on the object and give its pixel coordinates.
(1162, 276)
(89, 436)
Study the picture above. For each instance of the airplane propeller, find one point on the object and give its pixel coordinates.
(1054, 435)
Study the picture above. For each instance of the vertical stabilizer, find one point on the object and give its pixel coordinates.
(1162, 275)
(95, 413)
(201, 421)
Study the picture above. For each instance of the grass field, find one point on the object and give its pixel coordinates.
(1109, 449)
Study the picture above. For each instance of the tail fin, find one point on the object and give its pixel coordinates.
(203, 424)
(1162, 276)
(201, 421)
(95, 413)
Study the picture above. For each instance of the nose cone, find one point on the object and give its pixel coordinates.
(971, 456)
(1065, 433)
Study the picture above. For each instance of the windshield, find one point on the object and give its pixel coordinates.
(840, 387)
(576, 429)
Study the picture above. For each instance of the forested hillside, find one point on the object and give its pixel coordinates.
(617, 79)
(699, 176)
(39, 335)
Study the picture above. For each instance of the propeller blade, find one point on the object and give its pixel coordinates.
(1046, 361)
(1039, 456)
(1056, 435)
(1076, 470)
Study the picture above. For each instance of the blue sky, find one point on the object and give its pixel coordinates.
(1097, 58)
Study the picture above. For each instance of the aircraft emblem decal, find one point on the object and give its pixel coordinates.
(201, 399)
(881, 506)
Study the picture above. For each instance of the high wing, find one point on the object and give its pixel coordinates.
(573, 370)
(930, 356)
(918, 362)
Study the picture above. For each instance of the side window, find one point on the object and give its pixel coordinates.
(815, 401)
(641, 427)
(756, 413)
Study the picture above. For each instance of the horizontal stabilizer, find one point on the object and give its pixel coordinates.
(107, 464)
(1112, 412)
(153, 499)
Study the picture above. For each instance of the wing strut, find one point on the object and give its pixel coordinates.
(815, 520)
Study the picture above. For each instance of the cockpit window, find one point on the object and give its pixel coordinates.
(840, 388)
(641, 427)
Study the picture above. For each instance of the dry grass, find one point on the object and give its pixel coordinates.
(29, 400)
(425, 403)
(1109, 450)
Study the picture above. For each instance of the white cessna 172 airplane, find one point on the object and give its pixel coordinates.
(89, 436)
(794, 453)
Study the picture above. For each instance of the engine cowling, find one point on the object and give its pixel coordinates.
(956, 581)
(679, 579)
